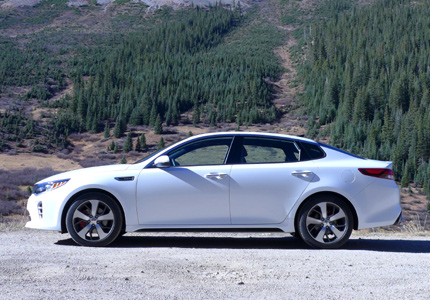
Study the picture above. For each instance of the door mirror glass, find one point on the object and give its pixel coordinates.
(162, 162)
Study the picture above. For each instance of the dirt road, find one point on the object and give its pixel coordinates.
(48, 265)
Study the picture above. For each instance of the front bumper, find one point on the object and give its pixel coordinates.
(44, 210)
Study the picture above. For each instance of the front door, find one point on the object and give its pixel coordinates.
(194, 190)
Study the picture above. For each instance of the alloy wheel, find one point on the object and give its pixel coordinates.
(326, 222)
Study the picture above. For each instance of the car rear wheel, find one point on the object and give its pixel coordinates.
(325, 222)
(94, 219)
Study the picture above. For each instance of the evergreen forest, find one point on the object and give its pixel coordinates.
(363, 74)
(367, 83)
(176, 67)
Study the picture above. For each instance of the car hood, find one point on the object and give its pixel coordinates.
(86, 172)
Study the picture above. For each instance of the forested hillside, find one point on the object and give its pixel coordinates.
(363, 72)
(214, 63)
(367, 83)
(178, 66)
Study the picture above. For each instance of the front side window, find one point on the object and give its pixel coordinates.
(266, 150)
(204, 152)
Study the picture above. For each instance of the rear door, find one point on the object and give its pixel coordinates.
(268, 179)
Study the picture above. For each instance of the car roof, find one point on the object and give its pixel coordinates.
(260, 134)
(227, 133)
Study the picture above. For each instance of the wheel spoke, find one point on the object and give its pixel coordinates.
(320, 236)
(338, 216)
(94, 207)
(310, 220)
(106, 217)
(323, 207)
(83, 232)
(325, 223)
(336, 231)
(100, 232)
(80, 215)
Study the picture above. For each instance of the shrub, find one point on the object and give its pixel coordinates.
(10, 207)
(11, 191)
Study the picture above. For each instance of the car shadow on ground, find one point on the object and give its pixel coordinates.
(287, 243)
(389, 245)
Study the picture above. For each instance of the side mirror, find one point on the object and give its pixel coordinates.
(162, 162)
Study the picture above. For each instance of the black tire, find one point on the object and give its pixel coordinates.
(296, 235)
(325, 230)
(94, 219)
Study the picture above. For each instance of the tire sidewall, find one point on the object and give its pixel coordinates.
(118, 219)
(303, 231)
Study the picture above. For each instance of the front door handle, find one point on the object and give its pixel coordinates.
(216, 175)
(302, 173)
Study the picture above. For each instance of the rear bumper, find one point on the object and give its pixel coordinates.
(399, 219)
(379, 204)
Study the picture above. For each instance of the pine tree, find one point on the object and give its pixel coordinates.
(158, 127)
(161, 144)
(94, 125)
(136, 117)
(123, 160)
(196, 115)
(106, 133)
(406, 177)
(118, 130)
(153, 115)
(128, 145)
(138, 147)
(143, 142)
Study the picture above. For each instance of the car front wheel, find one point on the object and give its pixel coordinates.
(325, 222)
(94, 219)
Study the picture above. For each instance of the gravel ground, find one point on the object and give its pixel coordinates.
(48, 265)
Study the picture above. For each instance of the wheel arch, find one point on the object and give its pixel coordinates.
(83, 192)
(343, 198)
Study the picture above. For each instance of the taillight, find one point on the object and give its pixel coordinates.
(377, 172)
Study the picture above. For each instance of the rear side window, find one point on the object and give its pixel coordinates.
(313, 151)
(266, 150)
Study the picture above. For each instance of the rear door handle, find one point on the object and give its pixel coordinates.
(301, 173)
(216, 175)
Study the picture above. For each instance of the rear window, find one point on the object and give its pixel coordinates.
(313, 151)
(340, 150)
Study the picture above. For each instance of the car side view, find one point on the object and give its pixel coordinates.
(223, 181)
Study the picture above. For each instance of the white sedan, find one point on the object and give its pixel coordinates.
(223, 181)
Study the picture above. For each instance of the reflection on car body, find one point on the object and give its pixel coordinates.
(220, 181)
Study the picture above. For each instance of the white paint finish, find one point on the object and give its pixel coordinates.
(348, 176)
(253, 195)
(101, 178)
(183, 195)
(265, 193)
(376, 204)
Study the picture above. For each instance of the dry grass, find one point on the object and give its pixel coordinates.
(30, 160)
(13, 223)
(417, 225)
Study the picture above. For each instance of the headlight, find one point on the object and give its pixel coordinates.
(49, 186)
